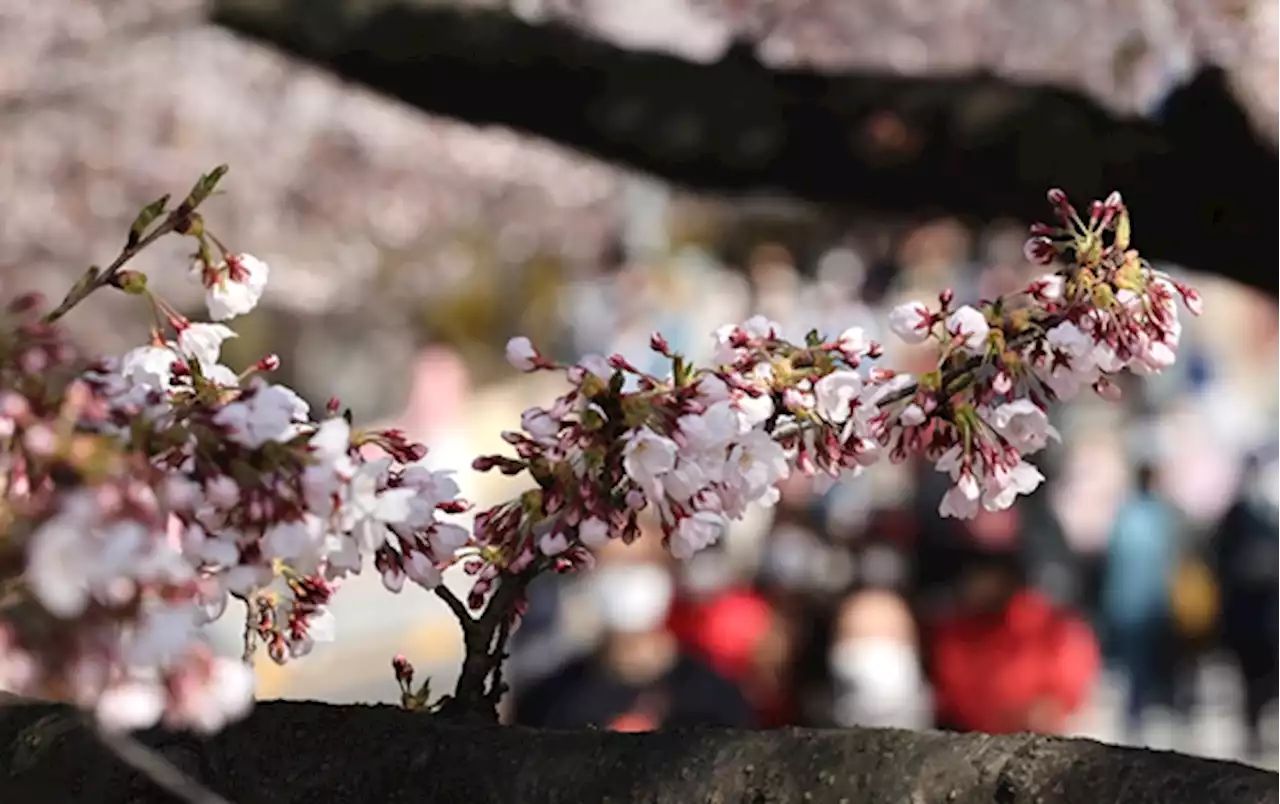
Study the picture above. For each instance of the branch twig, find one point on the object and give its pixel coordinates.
(156, 768)
(459, 609)
(485, 639)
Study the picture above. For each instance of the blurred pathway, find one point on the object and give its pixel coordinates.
(1214, 729)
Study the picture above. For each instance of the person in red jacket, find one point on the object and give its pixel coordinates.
(1007, 660)
(737, 632)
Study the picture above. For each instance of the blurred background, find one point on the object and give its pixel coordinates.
(1133, 598)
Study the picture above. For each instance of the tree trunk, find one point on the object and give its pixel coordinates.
(312, 752)
(1198, 180)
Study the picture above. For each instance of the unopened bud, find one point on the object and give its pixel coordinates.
(946, 296)
(1042, 230)
(659, 344)
(453, 506)
(1114, 201)
(1191, 298)
(26, 302)
(403, 669)
(268, 363)
(278, 650)
(333, 406)
(1058, 198)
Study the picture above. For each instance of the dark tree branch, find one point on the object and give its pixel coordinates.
(310, 752)
(479, 687)
(459, 609)
(1199, 181)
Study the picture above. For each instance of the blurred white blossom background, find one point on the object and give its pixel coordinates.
(355, 199)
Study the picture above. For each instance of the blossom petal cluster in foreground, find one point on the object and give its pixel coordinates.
(143, 493)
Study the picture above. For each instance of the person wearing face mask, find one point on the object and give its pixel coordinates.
(1244, 546)
(876, 675)
(638, 678)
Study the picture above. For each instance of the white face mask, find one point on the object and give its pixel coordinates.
(632, 598)
(877, 683)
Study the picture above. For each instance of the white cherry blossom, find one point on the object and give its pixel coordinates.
(970, 326)
(1024, 425)
(910, 322)
(521, 354)
(234, 286)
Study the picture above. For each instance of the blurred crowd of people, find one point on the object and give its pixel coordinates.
(1152, 545)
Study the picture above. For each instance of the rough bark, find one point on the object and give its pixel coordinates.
(1199, 180)
(311, 752)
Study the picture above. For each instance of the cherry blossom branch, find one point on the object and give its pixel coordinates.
(145, 493)
(479, 686)
(459, 609)
(141, 235)
(972, 364)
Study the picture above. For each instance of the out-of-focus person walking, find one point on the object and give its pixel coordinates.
(1141, 558)
(639, 678)
(1007, 659)
(1245, 548)
(875, 662)
(735, 630)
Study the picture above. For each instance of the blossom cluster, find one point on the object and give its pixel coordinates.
(696, 447)
(141, 494)
(144, 492)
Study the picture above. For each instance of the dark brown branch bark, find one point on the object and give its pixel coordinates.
(480, 686)
(1199, 181)
(309, 752)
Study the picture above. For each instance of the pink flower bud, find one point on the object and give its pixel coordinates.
(455, 506)
(659, 344)
(1058, 198)
(402, 668)
(26, 302)
(268, 363)
(1191, 298)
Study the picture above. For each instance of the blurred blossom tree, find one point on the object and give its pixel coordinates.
(882, 105)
